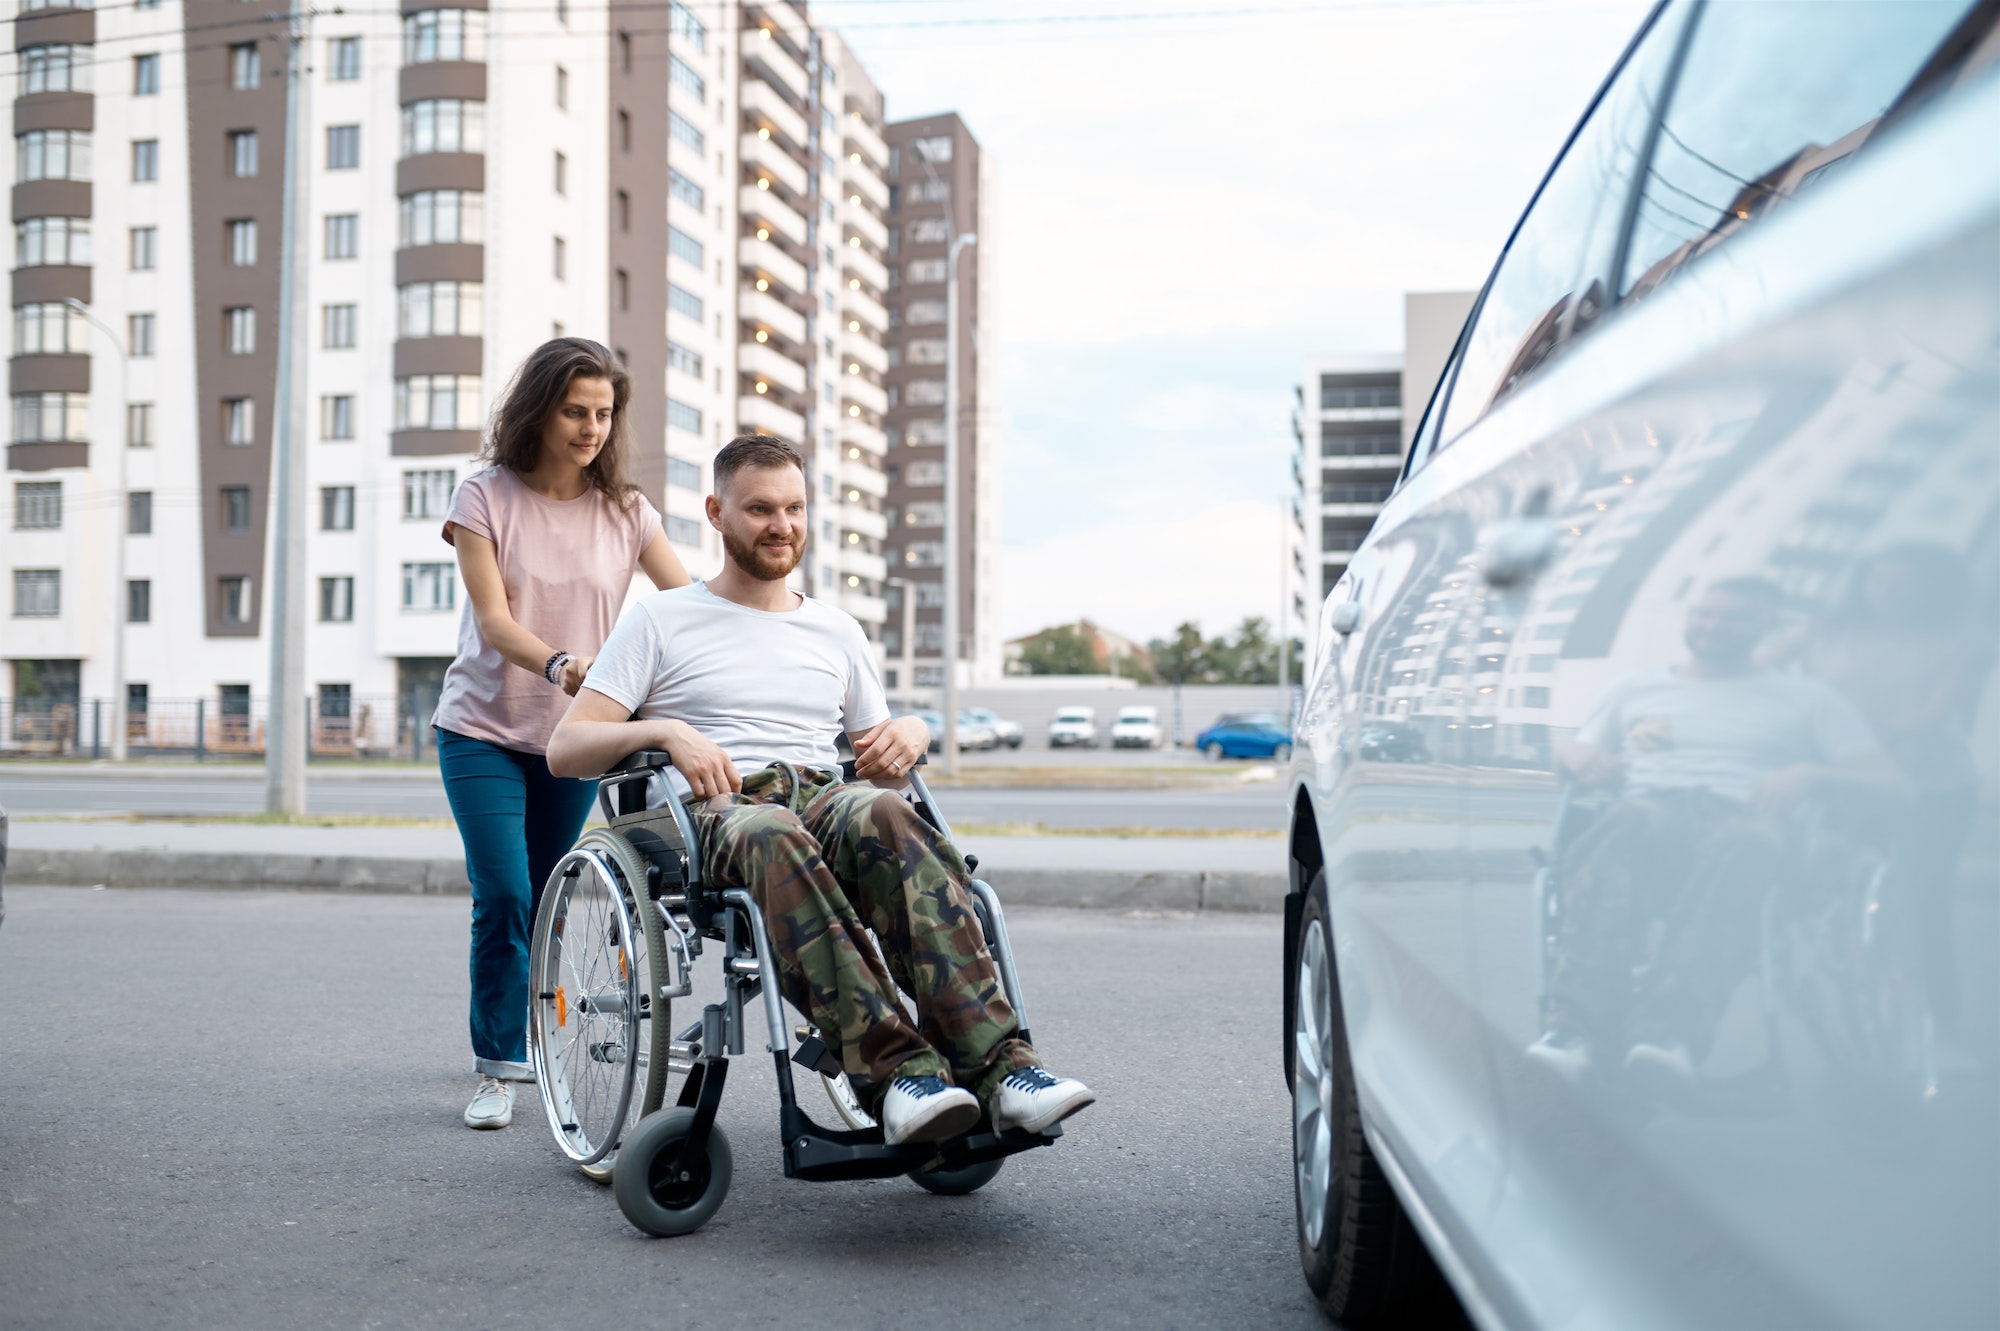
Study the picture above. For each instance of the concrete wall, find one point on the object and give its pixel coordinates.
(1201, 704)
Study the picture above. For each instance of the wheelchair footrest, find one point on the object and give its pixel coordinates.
(821, 1155)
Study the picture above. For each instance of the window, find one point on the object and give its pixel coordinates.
(427, 494)
(930, 595)
(336, 416)
(139, 334)
(54, 154)
(924, 351)
(934, 149)
(343, 235)
(562, 174)
(37, 593)
(242, 236)
(337, 327)
(145, 160)
(242, 153)
(51, 418)
(561, 258)
(685, 474)
(336, 603)
(683, 359)
(138, 425)
(931, 231)
(343, 63)
(624, 131)
(925, 472)
(924, 312)
(625, 53)
(924, 272)
(924, 554)
(562, 88)
(437, 402)
(681, 245)
(239, 330)
(684, 131)
(1339, 392)
(37, 505)
(1535, 695)
(924, 392)
(683, 531)
(146, 75)
(1747, 131)
(684, 302)
(145, 248)
(444, 34)
(621, 281)
(244, 66)
(1360, 439)
(429, 587)
(236, 508)
(624, 211)
(444, 125)
(343, 147)
(681, 22)
(60, 67)
(50, 328)
(234, 594)
(924, 513)
(681, 73)
(1549, 285)
(928, 191)
(239, 421)
(925, 432)
(439, 309)
(139, 512)
(681, 416)
(441, 217)
(51, 240)
(680, 187)
(336, 508)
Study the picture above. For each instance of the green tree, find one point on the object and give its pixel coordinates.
(1181, 659)
(1059, 651)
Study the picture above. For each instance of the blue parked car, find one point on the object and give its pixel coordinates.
(1247, 735)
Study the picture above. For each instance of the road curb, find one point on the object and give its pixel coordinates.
(1087, 889)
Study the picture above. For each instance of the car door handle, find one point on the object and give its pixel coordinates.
(1513, 552)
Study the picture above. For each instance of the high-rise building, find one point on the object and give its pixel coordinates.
(702, 188)
(941, 190)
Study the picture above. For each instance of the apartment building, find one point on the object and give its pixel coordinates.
(941, 189)
(701, 187)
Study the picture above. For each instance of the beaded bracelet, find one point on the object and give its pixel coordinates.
(554, 663)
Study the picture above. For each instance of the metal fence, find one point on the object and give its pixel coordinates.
(374, 727)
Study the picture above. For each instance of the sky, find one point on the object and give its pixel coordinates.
(1194, 198)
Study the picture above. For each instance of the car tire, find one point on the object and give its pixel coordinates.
(1361, 1257)
(1214, 751)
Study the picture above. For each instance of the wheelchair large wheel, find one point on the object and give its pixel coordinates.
(586, 979)
(956, 1182)
(651, 964)
(659, 1191)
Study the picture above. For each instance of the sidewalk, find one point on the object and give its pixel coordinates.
(1222, 873)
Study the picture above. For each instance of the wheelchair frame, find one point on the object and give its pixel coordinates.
(680, 911)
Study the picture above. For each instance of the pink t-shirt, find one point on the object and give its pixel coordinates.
(566, 564)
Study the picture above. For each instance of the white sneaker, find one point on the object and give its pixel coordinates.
(492, 1105)
(1671, 1058)
(1568, 1059)
(1034, 1101)
(926, 1109)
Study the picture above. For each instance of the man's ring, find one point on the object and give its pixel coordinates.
(895, 765)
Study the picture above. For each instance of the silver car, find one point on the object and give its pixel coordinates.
(1661, 992)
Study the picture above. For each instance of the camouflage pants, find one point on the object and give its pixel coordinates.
(827, 862)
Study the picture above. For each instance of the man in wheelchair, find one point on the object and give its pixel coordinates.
(748, 685)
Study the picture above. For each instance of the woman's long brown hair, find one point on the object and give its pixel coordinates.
(514, 438)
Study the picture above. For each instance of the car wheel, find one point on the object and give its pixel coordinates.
(1282, 754)
(1362, 1258)
(1214, 751)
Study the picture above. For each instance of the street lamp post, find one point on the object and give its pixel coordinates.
(908, 591)
(952, 581)
(121, 519)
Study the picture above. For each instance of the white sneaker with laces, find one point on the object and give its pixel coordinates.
(1034, 1101)
(926, 1109)
(492, 1105)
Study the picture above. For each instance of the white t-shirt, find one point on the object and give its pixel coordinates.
(1726, 735)
(763, 686)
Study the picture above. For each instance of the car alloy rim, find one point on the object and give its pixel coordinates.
(1312, 1085)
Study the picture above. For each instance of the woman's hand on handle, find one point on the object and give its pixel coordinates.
(572, 673)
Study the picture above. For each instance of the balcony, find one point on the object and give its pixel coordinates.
(855, 475)
(853, 388)
(762, 102)
(766, 362)
(869, 227)
(860, 180)
(857, 435)
(769, 159)
(861, 137)
(860, 305)
(780, 16)
(762, 310)
(771, 60)
(857, 262)
(761, 415)
(853, 517)
(769, 208)
(867, 609)
(865, 352)
(853, 559)
(760, 258)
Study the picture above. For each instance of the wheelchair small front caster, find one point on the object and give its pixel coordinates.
(660, 1192)
(956, 1182)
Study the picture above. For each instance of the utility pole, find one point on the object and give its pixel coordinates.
(906, 590)
(121, 608)
(285, 737)
(953, 583)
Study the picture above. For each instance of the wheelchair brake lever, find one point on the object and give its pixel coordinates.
(683, 958)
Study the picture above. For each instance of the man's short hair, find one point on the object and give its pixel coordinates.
(754, 450)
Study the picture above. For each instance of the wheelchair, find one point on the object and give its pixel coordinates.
(622, 920)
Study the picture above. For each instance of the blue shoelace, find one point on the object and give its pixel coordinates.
(1029, 1079)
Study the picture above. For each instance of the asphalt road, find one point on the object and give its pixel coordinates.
(1256, 804)
(224, 1110)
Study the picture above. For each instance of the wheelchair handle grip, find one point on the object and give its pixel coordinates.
(644, 760)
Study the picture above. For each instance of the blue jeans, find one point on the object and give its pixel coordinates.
(516, 820)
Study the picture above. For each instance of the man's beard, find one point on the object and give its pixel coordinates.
(759, 562)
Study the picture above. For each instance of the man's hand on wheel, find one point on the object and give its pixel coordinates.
(887, 752)
(706, 767)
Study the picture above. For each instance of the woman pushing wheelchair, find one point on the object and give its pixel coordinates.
(748, 685)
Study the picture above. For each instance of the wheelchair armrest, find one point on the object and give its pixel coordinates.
(645, 760)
